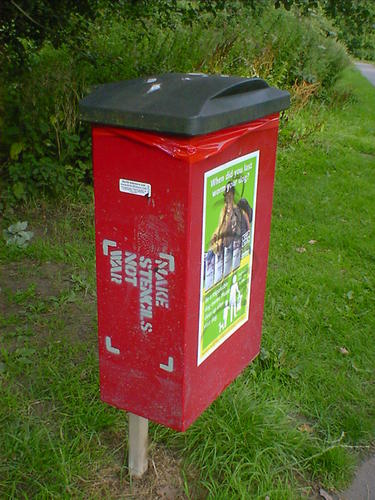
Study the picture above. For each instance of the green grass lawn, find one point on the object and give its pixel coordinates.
(296, 419)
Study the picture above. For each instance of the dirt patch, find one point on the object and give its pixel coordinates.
(41, 301)
(42, 410)
(48, 278)
(162, 481)
(80, 322)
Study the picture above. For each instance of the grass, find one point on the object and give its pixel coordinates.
(295, 420)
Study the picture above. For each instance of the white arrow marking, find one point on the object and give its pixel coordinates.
(109, 347)
(169, 366)
(106, 244)
(169, 258)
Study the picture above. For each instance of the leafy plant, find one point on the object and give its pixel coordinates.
(16, 234)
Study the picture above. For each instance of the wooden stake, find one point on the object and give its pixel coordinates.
(138, 444)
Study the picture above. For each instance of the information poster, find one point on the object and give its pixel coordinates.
(227, 250)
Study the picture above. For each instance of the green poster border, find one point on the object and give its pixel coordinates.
(218, 341)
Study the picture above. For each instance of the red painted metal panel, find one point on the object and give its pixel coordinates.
(149, 255)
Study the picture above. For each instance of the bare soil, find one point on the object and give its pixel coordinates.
(48, 281)
(163, 480)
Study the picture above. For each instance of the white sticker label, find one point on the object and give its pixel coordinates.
(135, 187)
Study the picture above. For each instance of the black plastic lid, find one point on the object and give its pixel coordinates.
(182, 103)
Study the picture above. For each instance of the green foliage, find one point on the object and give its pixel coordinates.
(354, 22)
(16, 234)
(39, 20)
(46, 149)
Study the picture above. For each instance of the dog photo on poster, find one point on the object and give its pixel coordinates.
(227, 249)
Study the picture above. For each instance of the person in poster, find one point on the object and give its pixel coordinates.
(229, 227)
(234, 223)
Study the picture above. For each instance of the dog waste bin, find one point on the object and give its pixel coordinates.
(183, 180)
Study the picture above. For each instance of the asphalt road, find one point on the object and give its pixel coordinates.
(367, 70)
(363, 487)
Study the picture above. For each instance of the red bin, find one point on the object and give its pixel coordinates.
(183, 178)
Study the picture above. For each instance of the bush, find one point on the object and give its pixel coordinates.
(46, 148)
(355, 25)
